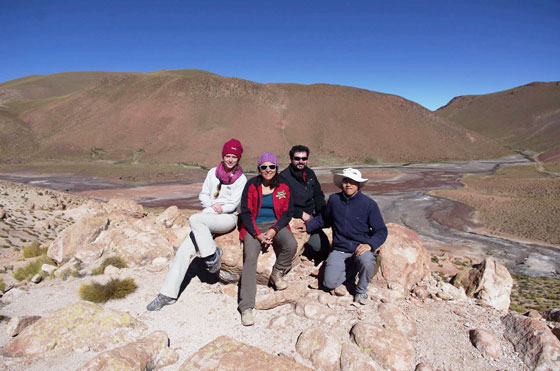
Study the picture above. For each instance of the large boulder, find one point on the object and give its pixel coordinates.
(402, 261)
(138, 242)
(489, 281)
(77, 236)
(225, 353)
(386, 347)
(81, 325)
(352, 359)
(148, 353)
(395, 319)
(533, 340)
(320, 347)
(486, 341)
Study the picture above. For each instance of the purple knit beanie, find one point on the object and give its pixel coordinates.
(268, 157)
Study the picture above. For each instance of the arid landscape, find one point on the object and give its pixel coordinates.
(100, 172)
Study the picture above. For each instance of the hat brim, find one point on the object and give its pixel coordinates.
(337, 180)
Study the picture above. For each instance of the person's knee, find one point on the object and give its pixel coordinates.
(367, 259)
(195, 219)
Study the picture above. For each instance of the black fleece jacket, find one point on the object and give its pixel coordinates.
(305, 189)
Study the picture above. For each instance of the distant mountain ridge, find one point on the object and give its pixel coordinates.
(186, 115)
(526, 117)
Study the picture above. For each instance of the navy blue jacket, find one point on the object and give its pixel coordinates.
(354, 221)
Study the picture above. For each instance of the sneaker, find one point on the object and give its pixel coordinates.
(361, 298)
(159, 302)
(277, 279)
(214, 265)
(247, 318)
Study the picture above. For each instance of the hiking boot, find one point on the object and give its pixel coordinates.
(361, 299)
(214, 265)
(247, 318)
(159, 302)
(276, 280)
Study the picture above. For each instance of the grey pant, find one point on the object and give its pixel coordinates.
(319, 242)
(285, 246)
(203, 225)
(336, 269)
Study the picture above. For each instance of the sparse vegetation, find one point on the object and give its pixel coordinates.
(2, 284)
(32, 268)
(538, 293)
(517, 201)
(34, 250)
(115, 261)
(114, 289)
(369, 160)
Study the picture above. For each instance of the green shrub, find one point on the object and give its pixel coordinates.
(2, 285)
(32, 268)
(115, 261)
(114, 289)
(371, 160)
(33, 250)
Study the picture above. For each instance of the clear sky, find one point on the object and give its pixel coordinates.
(426, 51)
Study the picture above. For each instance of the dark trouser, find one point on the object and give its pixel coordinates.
(319, 243)
(336, 269)
(285, 246)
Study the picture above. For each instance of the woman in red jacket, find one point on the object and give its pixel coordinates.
(266, 210)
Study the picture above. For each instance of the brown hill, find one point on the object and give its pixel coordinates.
(525, 117)
(185, 115)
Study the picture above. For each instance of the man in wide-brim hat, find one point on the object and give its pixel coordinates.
(358, 231)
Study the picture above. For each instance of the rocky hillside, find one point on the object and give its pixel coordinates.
(413, 319)
(178, 116)
(526, 117)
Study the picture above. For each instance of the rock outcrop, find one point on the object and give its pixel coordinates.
(81, 325)
(225, 353)
(148, 353)
(320, 347)
(402, 262)
(388, 348)
(489, 281)
(533, 340)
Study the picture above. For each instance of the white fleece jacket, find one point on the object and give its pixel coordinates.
(230, 195)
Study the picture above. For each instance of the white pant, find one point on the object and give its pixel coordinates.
(202, 227)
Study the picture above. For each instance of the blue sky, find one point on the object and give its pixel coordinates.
(425, 51)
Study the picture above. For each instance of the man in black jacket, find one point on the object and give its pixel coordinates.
(308, 197)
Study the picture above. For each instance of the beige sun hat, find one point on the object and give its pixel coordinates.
(350, 173)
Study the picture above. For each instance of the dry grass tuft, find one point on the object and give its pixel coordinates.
(114, 289)
(115, 261)
(32, 268)
(34, 250)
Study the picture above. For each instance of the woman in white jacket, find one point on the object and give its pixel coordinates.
(220, 196)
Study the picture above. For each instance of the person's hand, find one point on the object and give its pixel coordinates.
(305, 216)
(362, 248)
(264, 239)
(270, 234)
(218, 208)
(299, 226)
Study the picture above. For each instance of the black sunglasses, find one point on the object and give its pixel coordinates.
(300, 158)
(264, 167)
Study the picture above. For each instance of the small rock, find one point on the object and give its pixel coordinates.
(36, 278)
(12, 294)
(423, 367)
(159, 261)
(533, 314)
(17, 324)
(552, 315)
(3, 214)
(421, 292)
(49, 269)
(486, 342)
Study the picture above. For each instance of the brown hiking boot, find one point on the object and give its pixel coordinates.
(277, 280)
